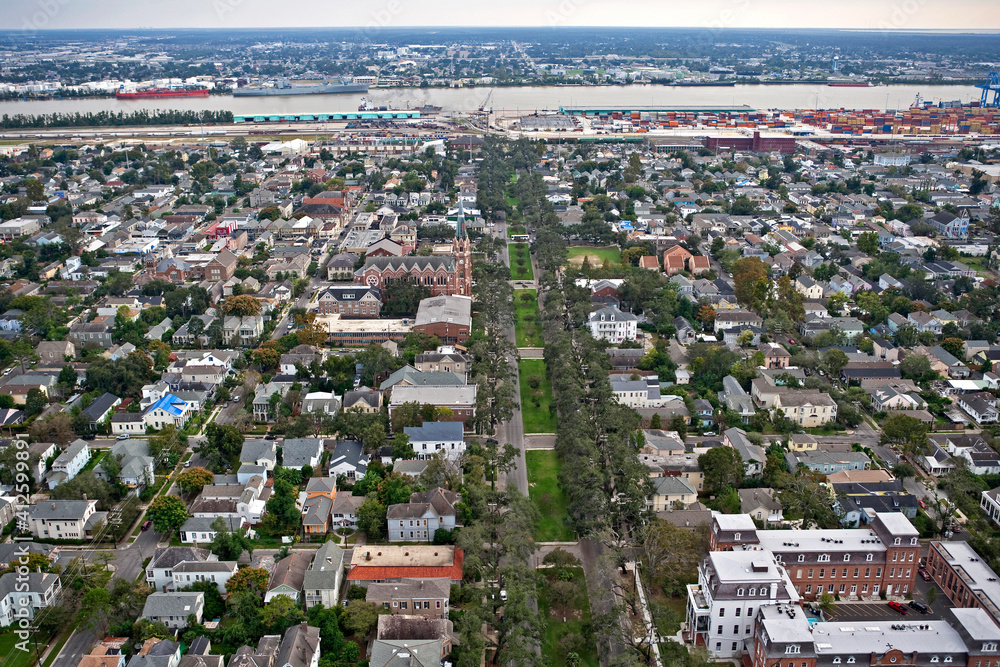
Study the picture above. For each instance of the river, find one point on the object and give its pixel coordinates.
(529, 99)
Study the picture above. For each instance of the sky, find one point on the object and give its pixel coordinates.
(973, 15)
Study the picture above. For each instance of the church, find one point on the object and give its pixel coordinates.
(442, 275)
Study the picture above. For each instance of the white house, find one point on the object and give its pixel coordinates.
(64, 519)
(69, 463)
(419, 519)
(191, 572)
(322, 580)
(434, 437)
(166, 411)
(22, 595)
(173, 609)
(612, 325)
(160, 570)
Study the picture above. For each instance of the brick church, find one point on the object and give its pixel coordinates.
(443, 275)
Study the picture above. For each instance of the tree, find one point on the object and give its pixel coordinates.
(249, 579)
(168, 513)
(868, 243)
(906, 432)
(722, 467)
(241, 306)
(915, 367)
(401, 447)
(35, 402)
(359, 617)
(268, 355)
(749, 275)
(371, 518)
(956, 346)
(312, 334)
(834, 361)
(279, 614)
(193, 479)
(282, 517)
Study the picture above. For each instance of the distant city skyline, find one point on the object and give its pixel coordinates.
(901, 15)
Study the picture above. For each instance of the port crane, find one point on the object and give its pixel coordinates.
(990, 86)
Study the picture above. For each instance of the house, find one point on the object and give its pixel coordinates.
(100, 409)
(69, 463)
(263, 656)
(981, 406)
(55, 351)
(288, 575)
(612, 325)
(736, 399)
(425, 514)
(199, 530)
(259, 453)
(319, 495)
(775, 356)
(218, 572)
(96, 333)
(173, 609)
(322, 581)
(675, 259)
(761, 505)
(64, 519)
(636, 393)
(299, 452)
(169, 410)
(136, 463)
(438, 436)
(348, 459)
(446, 359)
(299, 647)
(417, 597)
(828, 462)
(990, 502)
(809, 288)
(670, 492)
(103, 656)
(157, 653)
(737, 319)
(753, 455)
(372, 563)
(345, 510)
(363, 400)
(23, 594)
(160, 570)
(221, 267)
(686, 334)
(461, 399)
(955, 368)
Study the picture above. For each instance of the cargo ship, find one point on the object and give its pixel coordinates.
(368, 105)
(850, 84)
(151, 93)
(285, 87)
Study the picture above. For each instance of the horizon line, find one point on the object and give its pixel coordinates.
(955, 31)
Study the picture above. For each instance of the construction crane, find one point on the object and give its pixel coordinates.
(991, 85)
(485, 106)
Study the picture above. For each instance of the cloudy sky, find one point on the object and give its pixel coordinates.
(858, 14)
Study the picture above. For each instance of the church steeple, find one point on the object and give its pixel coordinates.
(462, 251)
(460, 233)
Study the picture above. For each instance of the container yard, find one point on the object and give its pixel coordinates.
(917, 121)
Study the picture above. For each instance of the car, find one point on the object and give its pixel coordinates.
(187, 464)
(897, 607)
(923, 505)
(708, 434)
(88, 436)
(503, 595)
(270, 437)
(924, 574)
(147, 524)
(123, 436)
(920, 607)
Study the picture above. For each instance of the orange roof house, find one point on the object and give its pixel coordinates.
(675, 259)
(392, 563)
(649, 262)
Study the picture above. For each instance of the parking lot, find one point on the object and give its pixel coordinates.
(880, 610)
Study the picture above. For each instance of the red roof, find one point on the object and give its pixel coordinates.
(380, 573)
(648, 262)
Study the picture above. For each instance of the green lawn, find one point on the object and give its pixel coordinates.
(528, 326)
(519, 271)
(560, 638)
(94, 460)
(595, 256)
(545, 491)
(13, 657)
(535, 402)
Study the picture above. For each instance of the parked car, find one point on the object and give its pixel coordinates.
(923, 505)
(147, 524)
(920, 606)
(88, 436)
(123, 436)
(924, 574)
(187, 464)
(897, 607)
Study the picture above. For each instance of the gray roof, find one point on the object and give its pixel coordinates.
(297, 452)
(348, 452)
(454, 309)
(435, 432)
(168, 557)
(59, 509)
(417, 378)
(175, 603)
(71, 452)
(326, 566)
(409, 588)
(203, 524)
(36, 582)
(298, 646)
(100, 405)
(406, 653)
(672, 486)
(257, 449)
